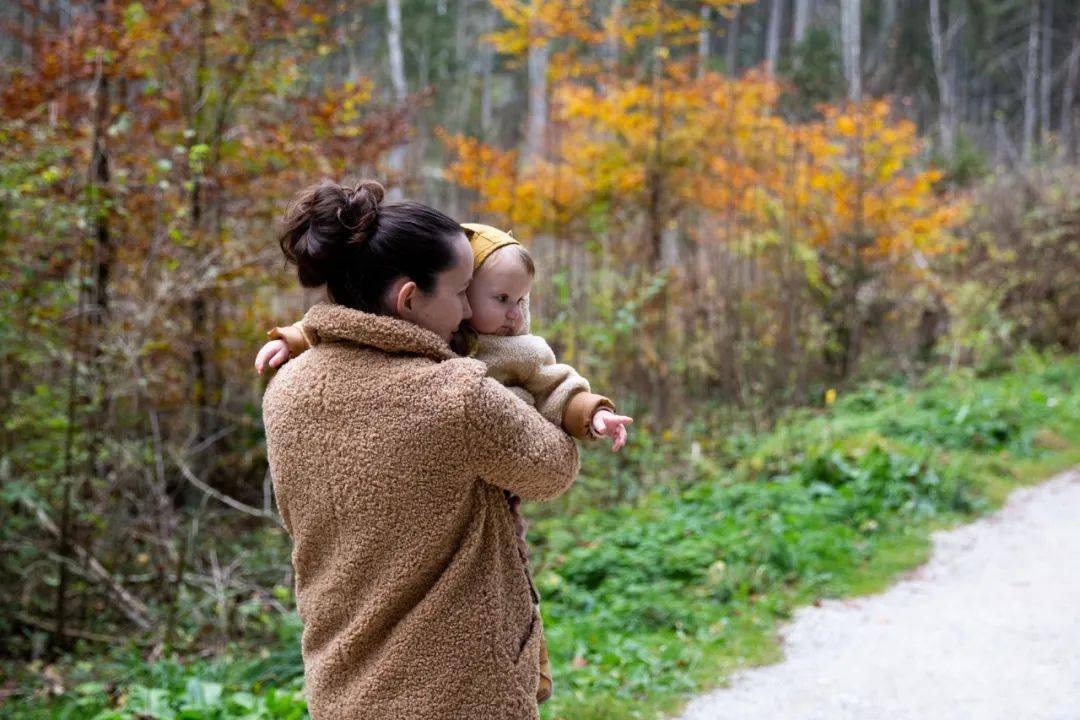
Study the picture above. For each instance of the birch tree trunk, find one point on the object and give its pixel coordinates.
(487, 65)
(536, 121)
(1030, 76)
(946, 109)
(800, 22)
(396, 160)
(1046, 74)
(772, 38)
(850, 27)
(393, 42)
(704, 38)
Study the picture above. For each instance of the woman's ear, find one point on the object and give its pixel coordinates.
(404, 299)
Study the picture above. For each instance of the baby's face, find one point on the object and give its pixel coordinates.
(496, 292)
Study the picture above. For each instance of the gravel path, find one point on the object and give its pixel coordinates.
(988, 629)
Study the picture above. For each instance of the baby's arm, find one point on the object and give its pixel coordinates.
(564, 397)
(287, 342)
(525, 395)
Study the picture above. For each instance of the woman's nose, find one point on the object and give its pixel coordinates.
(466, 309)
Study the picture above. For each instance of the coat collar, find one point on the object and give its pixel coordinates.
(337, 322)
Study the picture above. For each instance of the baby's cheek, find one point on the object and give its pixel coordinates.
(482, 322)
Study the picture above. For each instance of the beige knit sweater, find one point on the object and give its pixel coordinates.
(389, 455)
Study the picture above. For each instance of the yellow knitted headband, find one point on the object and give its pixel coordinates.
(485, 240)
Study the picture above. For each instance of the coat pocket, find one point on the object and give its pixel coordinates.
(530, 645)
(526, 666)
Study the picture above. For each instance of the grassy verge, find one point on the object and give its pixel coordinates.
(649, 604)
(657, 598)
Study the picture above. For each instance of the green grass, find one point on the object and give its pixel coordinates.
(650, 601)
(119, 685)
(832, 503)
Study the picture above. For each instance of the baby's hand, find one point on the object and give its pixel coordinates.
(273, 353)
(607, 424)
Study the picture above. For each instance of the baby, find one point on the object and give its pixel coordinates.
(497, 334)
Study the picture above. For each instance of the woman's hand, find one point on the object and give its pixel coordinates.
(273, 353)
(607, 424)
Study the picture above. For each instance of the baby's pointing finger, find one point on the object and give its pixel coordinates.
(620, 438)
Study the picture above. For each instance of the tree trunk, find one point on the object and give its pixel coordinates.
(772, 39)
(947, 107)
(1068, 95)
(396, 160)
(461, 32)
(101, 266)
(611, 42)
(657, 221)
(704, 40)
(850, 26)
(536, 121)
(1030, 76)
(393, 43)
(58, 641)
(487, 64)
(201, 380)
(801, 21)
(1046, 74)
(731, 43)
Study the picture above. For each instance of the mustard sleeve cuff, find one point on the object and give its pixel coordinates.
(295, 337)
(577, 417)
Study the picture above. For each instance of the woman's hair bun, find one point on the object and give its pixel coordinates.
(361, 209)
(325, 222)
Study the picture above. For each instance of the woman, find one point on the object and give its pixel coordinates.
(389, 456)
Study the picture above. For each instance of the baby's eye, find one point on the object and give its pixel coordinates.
(502, 298)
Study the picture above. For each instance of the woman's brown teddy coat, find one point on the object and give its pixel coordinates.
(389, 456)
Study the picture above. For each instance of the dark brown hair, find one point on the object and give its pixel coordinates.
(346, 238)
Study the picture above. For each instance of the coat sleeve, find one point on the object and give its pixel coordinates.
(514, 447)
(578, 415)
(562, 395)
(298, 336)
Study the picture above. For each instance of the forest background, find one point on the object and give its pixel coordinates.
(737, 208)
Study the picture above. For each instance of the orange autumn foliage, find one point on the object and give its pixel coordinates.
(647, 148)
(723, 150)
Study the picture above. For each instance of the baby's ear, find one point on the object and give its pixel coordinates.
(526, 319)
